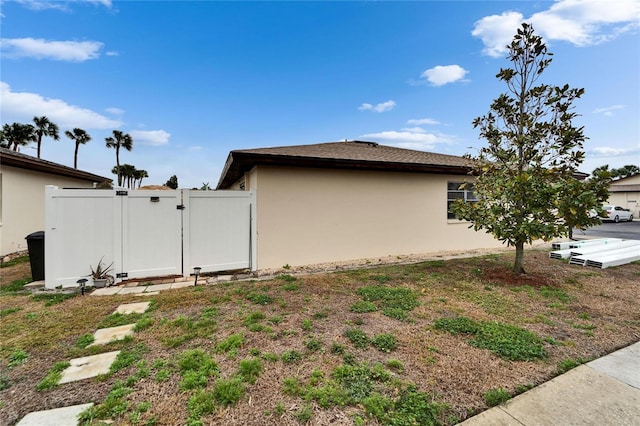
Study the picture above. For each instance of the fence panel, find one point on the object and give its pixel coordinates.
(151, 234)
(81, 228)
(218, 230)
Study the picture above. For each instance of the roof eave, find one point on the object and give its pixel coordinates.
(240, 162)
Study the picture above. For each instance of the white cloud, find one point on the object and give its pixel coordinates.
(38, 5)
(410, 139)
(151, 137)
(23, 106)
(114, 111)
(608, 111)
(609, 151)
(381, 107)
(38, 48)
(422, 121)
(580, 22)
(444, 74)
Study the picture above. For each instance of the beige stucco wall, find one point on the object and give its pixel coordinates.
(628, 199)
(308, 216)
(22, 205)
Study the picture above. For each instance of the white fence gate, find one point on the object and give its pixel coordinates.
(146, 233)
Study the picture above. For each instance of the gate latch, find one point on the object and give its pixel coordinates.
(180, 206)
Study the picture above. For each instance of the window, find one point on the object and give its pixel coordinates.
(455, 193)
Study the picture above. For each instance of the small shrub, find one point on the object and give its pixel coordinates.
(495, 397)
(385, 342)
(357, 337)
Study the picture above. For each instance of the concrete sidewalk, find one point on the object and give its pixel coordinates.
(605, 391)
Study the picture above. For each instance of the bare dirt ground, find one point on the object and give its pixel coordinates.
(580, 313)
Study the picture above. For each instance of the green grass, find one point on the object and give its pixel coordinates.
(507, 341)
(385, 342)
(232, 342)
(16, 261)
(389, 297)
(228, 391)
(495, 397)
(16, 287)
(17, 357)
(54, 298)
(8, 311)
(569, 364)
(53, 377)
(259, 298)
(357, 337)
(84, 341)
(128, 357)
(363, 306)
(250, 369)
(291, 356)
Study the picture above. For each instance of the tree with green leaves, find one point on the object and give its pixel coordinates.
(577, 200)
(117, 141)
(172, 182)
(533, 149)
(17, 134)
(44, 127)
(80, 137)
(138, 176)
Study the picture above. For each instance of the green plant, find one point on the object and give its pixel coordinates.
(396, 313)
(363, 306)
(234, 341)
(16, 287)
(307, 325)
(495, 397)
(128, 357)
(249, 369)
(53, 299)
(389, 297)
(507, 341)
(395, 364)
(337, 349)
(259, 298)
(313, 344)
(555, 293)
(357, 337)
(16, 261)
(113, 405)
(5, 312)
(17, 357)
(85, 340)
(568, 364)
(277, 319)
(291, 386)
(303, 414)
(291, 356)
(200, 404)
(253, 318)
(101, 271)
(228, 391)
(53, 377)
(385, 342)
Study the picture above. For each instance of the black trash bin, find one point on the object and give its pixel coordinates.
(35, 243)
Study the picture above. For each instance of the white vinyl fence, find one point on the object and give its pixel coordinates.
(146, 234)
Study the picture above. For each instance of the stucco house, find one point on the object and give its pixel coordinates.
(625, 192)
(22, 182)
(342, 201)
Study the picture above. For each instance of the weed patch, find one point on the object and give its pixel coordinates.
(495, 397)
(385, 342)
(53, 299)
(363, 306)
(357, 337)
(507, 341)
(53, 377)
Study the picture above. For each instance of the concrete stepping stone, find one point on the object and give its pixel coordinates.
(64, 416)
(88, 366)
(106, 335)
(132, 308)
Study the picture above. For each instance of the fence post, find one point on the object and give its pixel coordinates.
(49, 236)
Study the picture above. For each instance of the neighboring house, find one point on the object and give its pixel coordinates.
(342, 201)
(625, 192)
(22, 182)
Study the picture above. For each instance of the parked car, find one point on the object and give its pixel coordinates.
(616, 214)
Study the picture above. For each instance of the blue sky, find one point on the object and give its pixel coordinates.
(191, 81)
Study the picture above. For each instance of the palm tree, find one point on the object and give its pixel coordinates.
(139, 175)
(119, 140)
(44, 127)
(128, 172)
(81, 137)
(17, 134)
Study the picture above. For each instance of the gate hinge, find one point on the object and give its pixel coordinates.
(180, 207)
(122, 275)
(122, 192)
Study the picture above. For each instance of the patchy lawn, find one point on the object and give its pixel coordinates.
(429, 343)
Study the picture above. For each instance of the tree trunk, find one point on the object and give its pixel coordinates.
(518, 266)
(39, 143)
(75, 157)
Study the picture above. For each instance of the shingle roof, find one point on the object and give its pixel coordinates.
(23, 161)
(343, 155)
